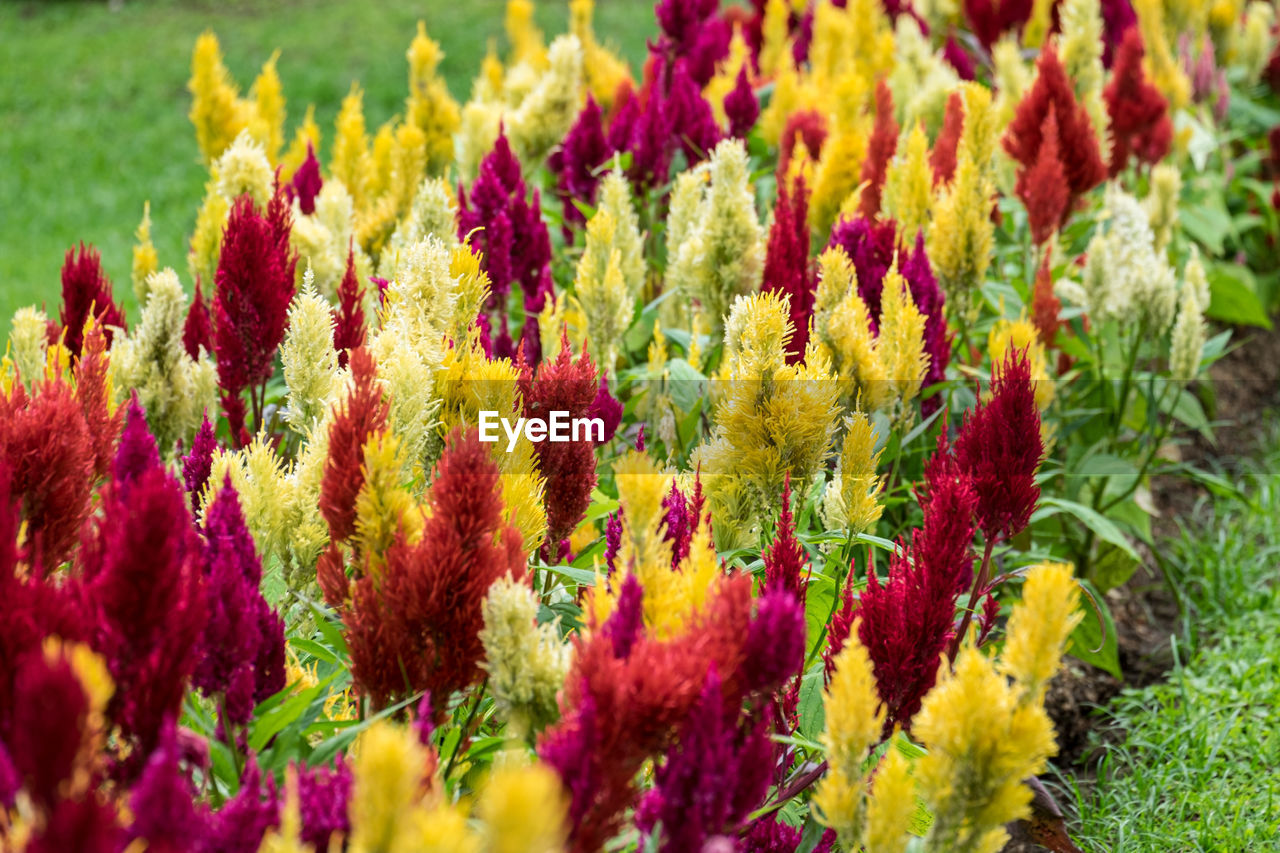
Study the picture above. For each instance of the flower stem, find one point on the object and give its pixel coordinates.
(978, 584)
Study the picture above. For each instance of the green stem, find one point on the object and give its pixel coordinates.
(466, 724)
(978, 583)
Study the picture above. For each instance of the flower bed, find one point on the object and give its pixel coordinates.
(721, 456)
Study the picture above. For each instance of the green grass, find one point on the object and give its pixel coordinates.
(93, 108)
(1196, 768)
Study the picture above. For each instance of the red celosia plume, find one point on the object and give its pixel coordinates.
(786, 266)
(880, 148)
(1080, 159)
(364, 413)
(1043, 187)
(348, 318)
(1140, 125)
(86, 291)
(197, 332)
(565, 385)
(94, 393)
(943, 157)
(415, 626)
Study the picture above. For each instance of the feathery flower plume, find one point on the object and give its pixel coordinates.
(86, 292)
(165, 817)
(713, 776)
(430, 108)
(254, 286)
(363, 414)
(1045, 305)
(1140, 124)
(348, 317)
(46, 446)
(999, 449)
(989, 20)
(1077, 142)
(416, 625)
(787, 269)
(242, 649)
(693, 31)
(197, 330)
(141, 561)
(307, 183)
(851, 501)
(943, 158)
(1043, 187)
(880, 148)
(93, 389)
(507, 229)
(199, 462)
(785, 560)
(577, 161)
(741, 106)
(565, 385)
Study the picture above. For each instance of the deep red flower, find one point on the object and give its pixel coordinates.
(86, 291)
(999, 449)
(958, 58)
(162, 801)
(880, 148)
(989, 19)
(1043, 187)
(50, 721)
(741, 106)
(1140, 124)
(197, 465)
(786, 265)
(415, 626)
(140, 559)
(241, 654)
(943, 157)
(46, 446)
(565, 385)
(197, 332)
(807, 126)
(693, 31)
(785, 561)
(307, 183)
(94, 393)
(348, 318)
(364, 412)
(1078, 144)
(254, 286)
(577, 162)
(1045, 305)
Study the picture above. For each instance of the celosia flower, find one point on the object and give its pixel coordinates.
(216, 111)
(199, 462)
(880, 148)
(741, 106)
(29, 343)
(943, 158)
(162, 801)
(150, 612)
(989, 20)
(255, 284)
(693, 31)
(86, 291)
(546, 113)
(46, 446)
(851, 501)
(93, 391)
(238, 827)
(565, 385)
(243, 169)
(498, 220)
(323, 795)
(577, 161)
(1045, 305)
(1078, 143)
(136, 453)
(976, 724)
(722, 255)
(803, 126)
(715, 774)
(526, 662)
(1010, 336)
(1187, 339)
(363, 414)
(999, 449)
(1043, 186)
(242, 650)
(307, 183)
(1140, 124)
(854, 724)
(389, 776)
(308, 359)
(785, 560)
(786, 264)
(197, 330)
(1125, 278)
(145, 261)
(174, 388)
(416, 625)
(1040, 626)
(348, 318)
(430, 108)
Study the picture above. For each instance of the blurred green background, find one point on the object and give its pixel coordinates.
(93, 106)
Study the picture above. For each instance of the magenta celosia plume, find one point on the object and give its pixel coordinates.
(577, 162)
(348, 317)
(787, 268)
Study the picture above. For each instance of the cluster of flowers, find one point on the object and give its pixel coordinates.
(270, 497)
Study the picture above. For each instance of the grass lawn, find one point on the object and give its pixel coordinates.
(1196, 769)
(93, 109)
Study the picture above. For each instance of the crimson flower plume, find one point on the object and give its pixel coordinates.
(1139, 114)
(86, 291)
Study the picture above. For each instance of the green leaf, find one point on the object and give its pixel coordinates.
(1111, 569)
(1233, 297)
(1102, 527)
(580, 577)
(810, 709)
(1102, 465)
(687, 384)
(1094, 639)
